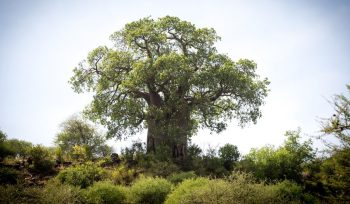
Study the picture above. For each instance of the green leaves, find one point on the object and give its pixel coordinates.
(339, 125)
(168, 70)
(285, 162)
(81, 140)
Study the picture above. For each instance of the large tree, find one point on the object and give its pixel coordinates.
(166, 75)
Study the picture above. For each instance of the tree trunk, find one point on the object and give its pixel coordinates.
(171, 133)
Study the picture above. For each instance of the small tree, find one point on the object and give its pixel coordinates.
(335, 170)
(229, 154)
(77, 132)
(5, 150)
(41, 157)
(20, 148)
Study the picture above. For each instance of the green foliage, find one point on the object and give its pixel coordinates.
(134, 154)
(82, 175)
(335, 176)
(237, 188)
(184, 192)
(334, 171)
(288, 191)
(150, 190)
(3, 136)
(229, 154)
(81, 140)
(80, 153)
(160, 168)
(106, 192)
(122, 175)
(8, 175)
(285, 162)
(179, 177)
(193, 160)
(211, 164)
(55, 192)
(245, 189)
(19, 147)
(5, 150)
(167, 75)
(59, 155)
(41, 157)
(339, 124)
(20, 194)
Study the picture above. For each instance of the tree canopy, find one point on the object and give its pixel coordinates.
(339, 124)
(77, 134)
(335, 170)
(167, 76)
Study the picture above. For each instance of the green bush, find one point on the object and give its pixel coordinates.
(203, 190)
(288, 191)
(183, 193)
(150, 190)
(5, 149)
(20, 148)
(8, 175)
(106, 192)
(42, 162)
(245, 189)
(179, 177)
(55, 192)
(122, 175)
(238, 188)
(20, 194)
(212, 165)
(44, 166)
(83, 175)
(161, 168)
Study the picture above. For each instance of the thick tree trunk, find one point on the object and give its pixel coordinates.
(168, 127)
(171, 134)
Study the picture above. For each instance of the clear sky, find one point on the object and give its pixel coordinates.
(303, 47)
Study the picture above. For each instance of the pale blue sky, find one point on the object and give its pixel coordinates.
(303, 47)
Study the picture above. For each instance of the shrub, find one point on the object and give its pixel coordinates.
(161, 168)
(179, 177)
(123, 175)
(212, 164)
(106, 192)
(245, 189)
(80, 153)
(5, 149)
(183, 193)
(55, 192)
(41, 159)
(83, 175)
(19, 194)
(238, 188)
(288, 191)
(44, 166)
(150, 190)
(134, 154)
(8, 175)
(20, 148)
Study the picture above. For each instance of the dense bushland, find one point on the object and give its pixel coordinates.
(290, 173)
